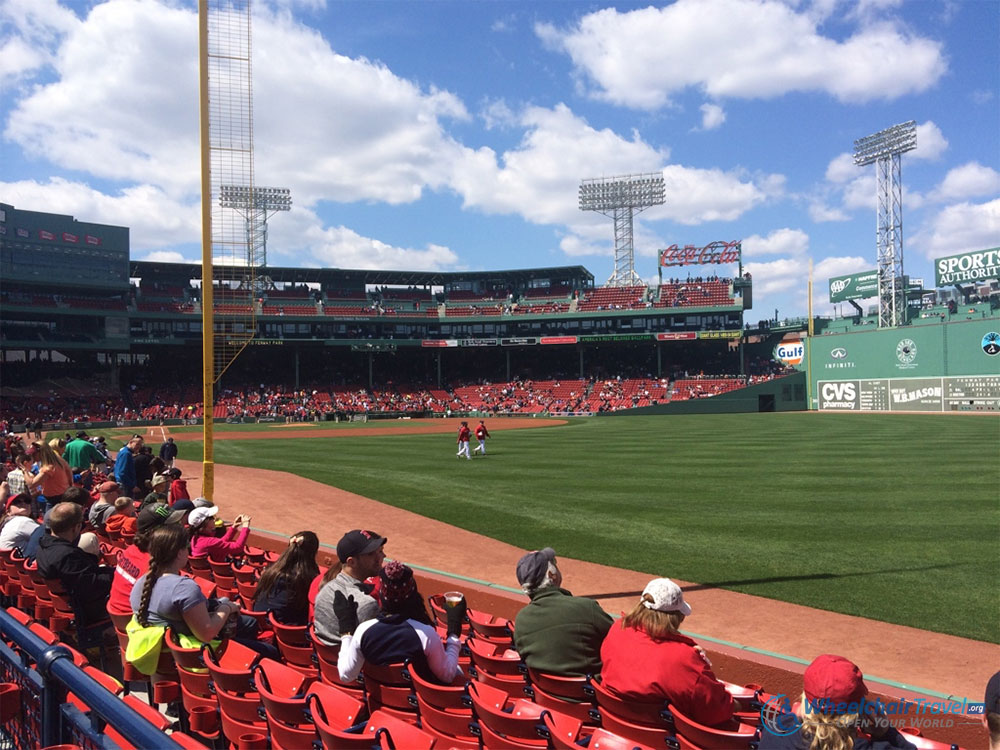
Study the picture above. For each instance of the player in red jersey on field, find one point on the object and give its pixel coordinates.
(463, 441)
(481, 434)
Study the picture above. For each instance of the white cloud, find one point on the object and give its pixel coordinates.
(970, 180)
(821, 213)
(760, 49)
(960, 227)
(344, 248)
(33, 30)
(841, 168)
(166, 256)
(931, 142)
(712, 116)
(496, 113)
(779, 242)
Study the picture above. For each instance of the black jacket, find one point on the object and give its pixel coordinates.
(86, 581)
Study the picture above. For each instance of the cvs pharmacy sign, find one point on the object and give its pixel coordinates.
(838, 395)
(790, 352)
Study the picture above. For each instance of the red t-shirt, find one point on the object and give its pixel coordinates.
(463, 435)
(481, 432)
(132, 565)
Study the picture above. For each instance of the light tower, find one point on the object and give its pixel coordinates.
(884, 149)
(255, 205)
(621, 198)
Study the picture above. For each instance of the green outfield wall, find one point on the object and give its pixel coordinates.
(949, 367)
(783, 394)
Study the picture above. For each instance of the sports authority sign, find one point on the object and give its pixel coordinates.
(718, 253)
(979, 265)
(855, 286)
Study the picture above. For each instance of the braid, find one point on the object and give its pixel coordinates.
(147, 591)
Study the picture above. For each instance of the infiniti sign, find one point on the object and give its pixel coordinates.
(838, 353)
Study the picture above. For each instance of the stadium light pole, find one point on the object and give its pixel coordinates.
(884, 149)
(621, 198)
(256, 205)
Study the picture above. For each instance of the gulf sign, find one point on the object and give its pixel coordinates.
(790, 352)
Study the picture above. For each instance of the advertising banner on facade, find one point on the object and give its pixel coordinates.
(979, 265)
(854, 286)
(717, 253)
(955, 393)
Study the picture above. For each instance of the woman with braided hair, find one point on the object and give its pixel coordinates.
(284, 586)
(164, 597)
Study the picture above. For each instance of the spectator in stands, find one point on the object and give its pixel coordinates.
(81, 455)
(87, 582)
(164, 597)
(557, 632)
(991, 710)
(178, 487)
(125, 465)
(283, 587)
(17, 525)
(16, 479)
(402, 631)
(123, 520)
(832, 679)
(647, 659)
(360, 554)
(102, 510)
(168, 452)
(133, 562)
(54, 476)
(158, 491)
(204, 541)
(143, 467)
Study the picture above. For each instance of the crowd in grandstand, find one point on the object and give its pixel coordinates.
(78, 402)
(120, 547)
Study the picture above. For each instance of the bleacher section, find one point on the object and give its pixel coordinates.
(614, 298)
(714, 293)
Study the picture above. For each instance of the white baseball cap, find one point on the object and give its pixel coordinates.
(198, 516)
(667, 597)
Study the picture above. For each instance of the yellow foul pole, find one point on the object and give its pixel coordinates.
(207, 329)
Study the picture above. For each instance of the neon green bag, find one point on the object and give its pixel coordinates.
(144, 645)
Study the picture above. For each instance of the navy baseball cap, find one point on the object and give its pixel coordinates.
(358, 542)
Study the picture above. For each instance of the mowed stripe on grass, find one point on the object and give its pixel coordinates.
(891, 517)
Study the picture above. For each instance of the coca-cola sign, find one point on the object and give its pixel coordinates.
(719, 253)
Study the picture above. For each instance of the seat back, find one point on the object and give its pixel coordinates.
(495, 658)
(392, 733)
(231, 667)
(388, 687)
(294, 635)
(734, 736)
(281, 692)
(445, 697)
(656, 715)
(491, 628)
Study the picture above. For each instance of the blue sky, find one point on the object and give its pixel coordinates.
(431, 134)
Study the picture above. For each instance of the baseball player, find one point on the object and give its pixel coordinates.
(463, 441)
(481, 434)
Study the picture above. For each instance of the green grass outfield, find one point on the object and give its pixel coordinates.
(892, 517)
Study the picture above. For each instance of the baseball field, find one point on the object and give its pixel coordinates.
(889, 517)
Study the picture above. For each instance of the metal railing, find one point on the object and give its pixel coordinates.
(45, 674)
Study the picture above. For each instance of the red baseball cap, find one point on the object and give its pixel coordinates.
(23, 498)
(833, 678)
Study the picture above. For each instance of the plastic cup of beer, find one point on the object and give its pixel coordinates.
(452, 598)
